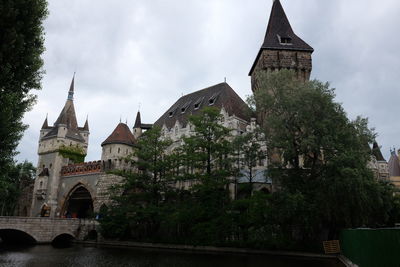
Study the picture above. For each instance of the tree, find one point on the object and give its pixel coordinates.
(21, 46)
(209, 143)
(249, 149)
(17, 178)
(318, 154)
(139, 198)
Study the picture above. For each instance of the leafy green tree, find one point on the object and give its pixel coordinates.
(17, 178)
(248, 151)
(139, 198)
(318, 154)
(21, 46)
(208, 145)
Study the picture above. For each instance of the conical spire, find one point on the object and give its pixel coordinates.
(71, 89)
(120, 135)
(280, 34)
(45, 124)
(86, 126)
(376, 151)
(138, 121)
(67, 115)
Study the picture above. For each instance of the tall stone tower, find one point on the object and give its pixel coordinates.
(282, 49)
(65, 132)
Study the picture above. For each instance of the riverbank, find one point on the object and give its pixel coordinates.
(220, 250)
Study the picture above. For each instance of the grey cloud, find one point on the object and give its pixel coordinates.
(150, 52)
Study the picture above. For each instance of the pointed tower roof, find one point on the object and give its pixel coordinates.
(138, 121)
(278, 28)
(120, 135)
(67, 117)
(376, 151)
(45, 124)
(280, 35)
(394, 165)
(86, 126)
(71, 89)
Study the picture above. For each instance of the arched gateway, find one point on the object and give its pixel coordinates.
(78, 204)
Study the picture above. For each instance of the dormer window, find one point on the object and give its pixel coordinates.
(185, 107)
(213, 99)
(171, 112)
(198, 102)
(285, 40)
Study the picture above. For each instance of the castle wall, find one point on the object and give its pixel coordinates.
(272, 60)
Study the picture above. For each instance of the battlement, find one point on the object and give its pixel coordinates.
(82, 168)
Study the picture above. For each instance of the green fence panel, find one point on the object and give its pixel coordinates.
(372, 247)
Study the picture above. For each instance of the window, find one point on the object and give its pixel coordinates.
(41, 185)
(110, 149)
(172, 112)
(198, 102)
(119, 149)
(285, 40)
(185, 106)
(51, 165)
(213, 99)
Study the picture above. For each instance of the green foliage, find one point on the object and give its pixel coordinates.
(18, 176)
(318, 165)
(21, 45)
(248, 151)
(318, 154)
(74, 153)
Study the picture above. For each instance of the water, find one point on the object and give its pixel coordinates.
(47, 256)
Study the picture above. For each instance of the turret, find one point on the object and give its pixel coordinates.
(117, 147)
(64, 133)
(137, 128)
(281, 49)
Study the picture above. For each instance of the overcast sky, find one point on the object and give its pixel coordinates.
(128, 52)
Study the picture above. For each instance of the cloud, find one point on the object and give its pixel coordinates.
(152, 52)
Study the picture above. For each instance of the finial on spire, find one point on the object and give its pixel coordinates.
(71, 89)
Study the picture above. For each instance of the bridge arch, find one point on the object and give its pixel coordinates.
(63, 240)
(78, 203)
(16, 236)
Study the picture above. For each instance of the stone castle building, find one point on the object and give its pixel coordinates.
(63, 188)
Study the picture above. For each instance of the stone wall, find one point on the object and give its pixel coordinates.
(45, 230)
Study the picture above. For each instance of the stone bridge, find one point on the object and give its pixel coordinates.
(41, 230)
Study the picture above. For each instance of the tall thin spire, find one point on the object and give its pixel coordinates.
(71, 89)
(138, 121)
(86, 126)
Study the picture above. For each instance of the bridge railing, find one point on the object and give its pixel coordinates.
(81, 221)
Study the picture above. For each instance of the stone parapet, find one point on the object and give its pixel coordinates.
(82, 168)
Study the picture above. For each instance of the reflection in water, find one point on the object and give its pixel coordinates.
(77, 256)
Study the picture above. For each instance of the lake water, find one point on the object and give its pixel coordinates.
(78, 255)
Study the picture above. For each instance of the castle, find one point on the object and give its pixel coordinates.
(80, 190)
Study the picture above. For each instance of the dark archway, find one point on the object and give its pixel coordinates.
(62, 241)
(79, 204)
(45, 211)
(92, 235)
(16, 237)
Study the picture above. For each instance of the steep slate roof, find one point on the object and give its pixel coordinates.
(394, 165)
(138, 121)
(85, 127)
(45, 124)
(120, 135)
(376, 151)
(67, 117)
(223, 96)
(279, 27)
